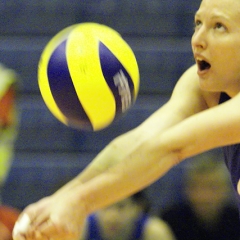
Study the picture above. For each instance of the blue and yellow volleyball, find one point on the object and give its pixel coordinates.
(88, 76)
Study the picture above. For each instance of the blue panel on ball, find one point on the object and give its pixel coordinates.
(117, 78)
(63, 90)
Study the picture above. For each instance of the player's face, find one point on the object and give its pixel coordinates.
(207, 192)
(117, 219)
(216, 45)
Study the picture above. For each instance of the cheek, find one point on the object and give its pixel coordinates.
(226, 66)
(228, 57)
(229, 72)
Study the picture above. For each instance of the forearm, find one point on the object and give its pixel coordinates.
(137, 170)
(167, 116)
(124, 146)
(209, 129)
(127, 164)
(147, 161)
(111, 155)
(137, 158)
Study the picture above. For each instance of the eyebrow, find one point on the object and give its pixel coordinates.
(196, 14)
(215, 16)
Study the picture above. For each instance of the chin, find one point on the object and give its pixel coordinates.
(209, 86)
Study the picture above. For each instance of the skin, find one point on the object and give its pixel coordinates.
(117, 222)
(190, 123)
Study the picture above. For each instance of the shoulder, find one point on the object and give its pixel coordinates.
(156, 228)
(189, 82)
(188, 98)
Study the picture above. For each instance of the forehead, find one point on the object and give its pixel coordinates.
(229, 9)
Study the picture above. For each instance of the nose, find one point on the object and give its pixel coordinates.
(199, 38)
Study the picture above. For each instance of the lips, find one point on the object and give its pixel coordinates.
(203, 64)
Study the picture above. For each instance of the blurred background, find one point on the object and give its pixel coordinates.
(47, 153)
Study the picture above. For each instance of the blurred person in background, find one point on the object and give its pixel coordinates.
(208, 212)
(128, 219)
(8, 134)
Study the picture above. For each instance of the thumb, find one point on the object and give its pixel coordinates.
(21, 226)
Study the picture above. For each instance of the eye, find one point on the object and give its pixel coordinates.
(197, 24)
(219, 26)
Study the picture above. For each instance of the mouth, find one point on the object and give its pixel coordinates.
(203, 65)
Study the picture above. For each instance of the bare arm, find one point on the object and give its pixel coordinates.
(195, 131)
(181, 128)
(177, 109)
(130, 155)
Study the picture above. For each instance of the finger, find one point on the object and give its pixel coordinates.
(22, 225)
(23, 222)
(54, 230)
(19, 237)
(27, 222)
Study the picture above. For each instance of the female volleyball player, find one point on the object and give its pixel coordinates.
(191, 122)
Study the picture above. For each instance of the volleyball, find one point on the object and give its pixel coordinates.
(88, 76)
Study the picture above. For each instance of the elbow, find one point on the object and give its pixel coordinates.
(166, 153)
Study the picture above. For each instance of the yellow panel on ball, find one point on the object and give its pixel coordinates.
(84, 66)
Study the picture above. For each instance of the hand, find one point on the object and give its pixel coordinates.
(57, 217)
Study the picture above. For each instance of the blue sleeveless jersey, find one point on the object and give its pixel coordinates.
(94, 233)
(232, 158)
